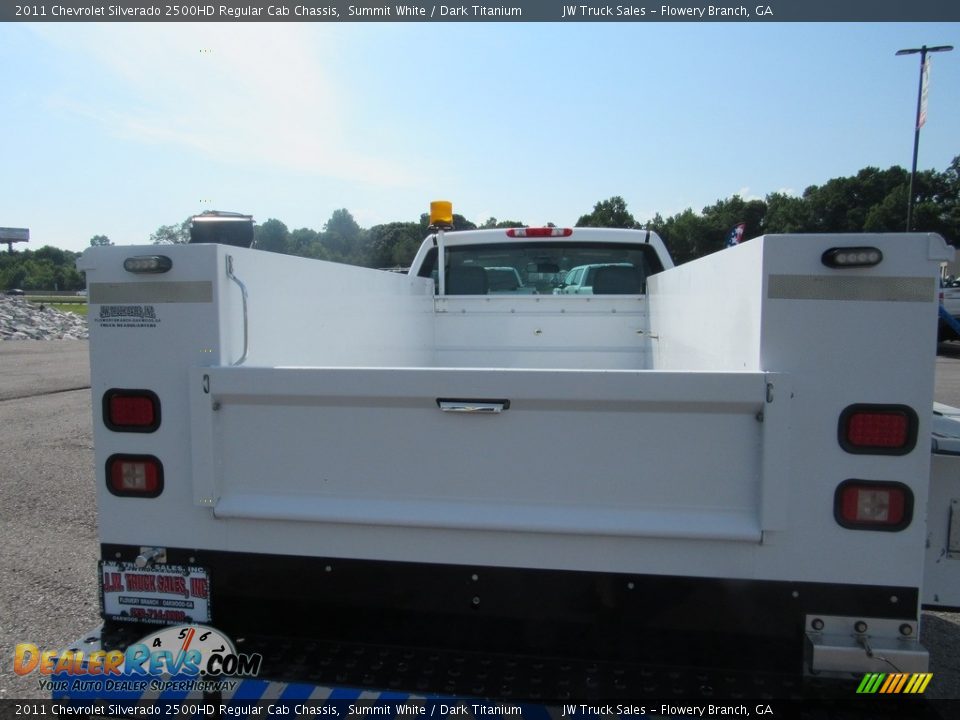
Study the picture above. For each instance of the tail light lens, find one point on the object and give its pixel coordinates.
(866, 505)
(878, 429)
(134, 476)
(131, 410)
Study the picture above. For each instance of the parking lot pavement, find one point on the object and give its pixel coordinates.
(35, 367)
(48, 532)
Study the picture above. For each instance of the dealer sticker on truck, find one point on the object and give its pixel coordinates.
(161, 594)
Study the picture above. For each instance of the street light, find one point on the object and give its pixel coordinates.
(923, 50)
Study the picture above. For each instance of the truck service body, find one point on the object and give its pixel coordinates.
(721, 465)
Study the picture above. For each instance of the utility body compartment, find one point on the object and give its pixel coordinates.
(671, 458)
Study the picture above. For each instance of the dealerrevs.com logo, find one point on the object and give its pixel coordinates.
(183, 657)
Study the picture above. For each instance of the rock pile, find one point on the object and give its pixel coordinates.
(23, 320)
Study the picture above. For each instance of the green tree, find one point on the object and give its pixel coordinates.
(393, 244)
(14, 277)
(271, 236)
(786, 214)
(100, 241)
(950, 202)
(493, 224)
(936, 200)
(889, 215)
(172, 234)
(40, 275)
(343, 238)
(55, 256)
(688, 236)
(305, 242)
(723, 215)
(48, 268)
(842, 204)
(610, 213)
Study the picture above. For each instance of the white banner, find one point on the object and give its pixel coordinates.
(924, 91)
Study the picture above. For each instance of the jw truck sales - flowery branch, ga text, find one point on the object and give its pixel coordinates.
(664, 11)
(398, 11)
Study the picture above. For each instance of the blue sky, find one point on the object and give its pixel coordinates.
(117, 129)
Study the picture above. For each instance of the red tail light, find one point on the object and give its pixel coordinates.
(878, 429)
(539, 232)
(131, 410)
(134, 476)
(864, 505)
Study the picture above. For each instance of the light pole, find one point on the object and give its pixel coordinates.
(923, 50)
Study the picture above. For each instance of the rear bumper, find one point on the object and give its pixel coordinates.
(296, 669)
(523, 633)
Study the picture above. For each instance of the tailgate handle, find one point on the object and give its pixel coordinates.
(484, 407)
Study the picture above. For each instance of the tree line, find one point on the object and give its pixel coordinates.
(341, 238)
(873, 200)
(48, 268)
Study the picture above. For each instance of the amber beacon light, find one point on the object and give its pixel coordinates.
(441, 213)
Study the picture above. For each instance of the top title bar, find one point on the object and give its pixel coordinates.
(505, 11)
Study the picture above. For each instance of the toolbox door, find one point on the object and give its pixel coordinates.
(941, 582)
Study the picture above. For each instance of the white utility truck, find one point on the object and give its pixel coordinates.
(413, 483)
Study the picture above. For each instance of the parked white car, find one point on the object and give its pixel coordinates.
(614, 279)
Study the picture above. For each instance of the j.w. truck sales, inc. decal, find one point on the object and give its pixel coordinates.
(127, 316)
(159, 594)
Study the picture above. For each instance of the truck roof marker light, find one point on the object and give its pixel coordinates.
(868, 505)
(852, 257)
(877, 429)
(134, 476)
(539, 232)
(131, 410)
(147, 264)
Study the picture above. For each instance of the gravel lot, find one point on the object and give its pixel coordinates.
(48, 594)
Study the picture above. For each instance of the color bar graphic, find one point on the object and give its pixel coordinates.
(894, 683)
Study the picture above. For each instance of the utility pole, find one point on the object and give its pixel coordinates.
(921, 112)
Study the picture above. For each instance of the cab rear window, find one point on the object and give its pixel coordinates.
(545, 269)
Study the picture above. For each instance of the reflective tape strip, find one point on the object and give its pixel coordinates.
(821, 287)
(175, 291)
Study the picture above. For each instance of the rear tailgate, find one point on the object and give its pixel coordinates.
(568, 452)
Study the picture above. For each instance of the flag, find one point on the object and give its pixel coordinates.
(736, 235)
(924, 92)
